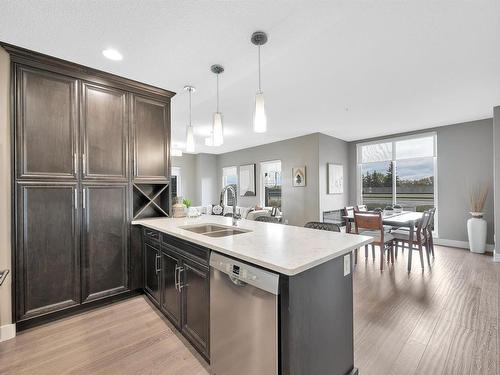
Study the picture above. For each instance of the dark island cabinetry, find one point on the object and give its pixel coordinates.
(181, 270)
(82, 139)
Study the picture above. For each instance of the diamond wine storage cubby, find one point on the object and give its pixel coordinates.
(151, 200)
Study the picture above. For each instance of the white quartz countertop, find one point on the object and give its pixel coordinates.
(286, 249)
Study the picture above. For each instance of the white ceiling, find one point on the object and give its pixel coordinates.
(349, 69)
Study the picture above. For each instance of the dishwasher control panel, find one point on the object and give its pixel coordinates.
(245, 272)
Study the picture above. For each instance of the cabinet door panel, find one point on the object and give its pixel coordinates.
(170, 296)
(105, 249)
(105, 132)
(196, 304)
(48, 267)
(46, 124)
(151, 139)
(152, 271)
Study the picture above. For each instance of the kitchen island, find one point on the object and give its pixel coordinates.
(314, 296)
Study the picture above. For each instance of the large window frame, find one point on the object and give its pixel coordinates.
(177, 173)
(394, 161)
(229, 171)
(263, 169)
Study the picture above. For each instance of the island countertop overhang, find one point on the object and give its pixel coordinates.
(288, 250)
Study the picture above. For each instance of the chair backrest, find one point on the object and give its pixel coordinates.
(423, 225)
(267, 219)
(322, 226)
(368, 220)
(371, 221)
(361, 208)
(348, 210)
(430, 227)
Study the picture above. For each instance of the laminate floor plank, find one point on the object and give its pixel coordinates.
(442, 320)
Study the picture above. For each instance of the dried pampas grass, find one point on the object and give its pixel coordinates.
(477, 197)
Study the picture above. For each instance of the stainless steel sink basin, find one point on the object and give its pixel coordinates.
(214, 230)
(224, 233)
(204, 228)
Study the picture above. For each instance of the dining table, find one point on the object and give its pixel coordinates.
(403, 219)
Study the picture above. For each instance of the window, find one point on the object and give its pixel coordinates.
(176, 180)
(398, 171)
(270, 183)
(229, 177)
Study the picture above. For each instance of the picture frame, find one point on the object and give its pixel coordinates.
(335, 178)
(247, 180)
(299, 176)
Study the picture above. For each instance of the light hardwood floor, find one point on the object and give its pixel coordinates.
(443, 321)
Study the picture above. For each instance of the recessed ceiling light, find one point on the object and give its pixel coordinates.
(112, 54)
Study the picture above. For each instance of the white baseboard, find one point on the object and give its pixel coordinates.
(460, 244)
(7, 332)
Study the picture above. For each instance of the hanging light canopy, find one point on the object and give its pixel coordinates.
(259, 38)
(189, 130)
(217, 127)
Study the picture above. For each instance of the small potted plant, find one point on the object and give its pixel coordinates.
(476, 225)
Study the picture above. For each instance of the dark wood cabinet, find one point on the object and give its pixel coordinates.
(151, 139)
(46, 124)
(170, 292)
(104, 128)
(104, 239)
(195, 284)
(184, 285)
(78, 132)
(152, 258)
(47, 249)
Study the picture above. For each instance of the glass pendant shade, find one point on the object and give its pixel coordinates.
(259, 116)
(189, 139)
(218, 133)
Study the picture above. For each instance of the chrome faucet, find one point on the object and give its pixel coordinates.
(236, 216)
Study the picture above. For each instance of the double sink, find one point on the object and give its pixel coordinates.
(214, 230)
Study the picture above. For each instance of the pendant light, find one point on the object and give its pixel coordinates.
(259, 38)
(189, 130)
(217, 128)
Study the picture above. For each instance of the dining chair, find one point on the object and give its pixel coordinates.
(361, 208)
(323, 226)
(430, 227)
(370, 224)
(420, 239)
(349, 226)
(267, 219)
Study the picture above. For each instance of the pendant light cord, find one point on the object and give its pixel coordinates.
(217, 92)
(260, 89)
(190, 92)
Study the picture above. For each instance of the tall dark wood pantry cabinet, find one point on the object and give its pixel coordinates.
(88, 148)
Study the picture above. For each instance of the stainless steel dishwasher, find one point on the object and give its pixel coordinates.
(243, 318)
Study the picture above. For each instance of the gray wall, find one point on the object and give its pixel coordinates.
(187, 163)
(299, 204)
(336, 151)
(206, 174)
(465, 157)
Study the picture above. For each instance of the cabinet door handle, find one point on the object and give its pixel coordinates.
(180, 281)
(157, 264)
(175, 278)
(84, 199)
(75, 163)
(76, 199)
(84, 164)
